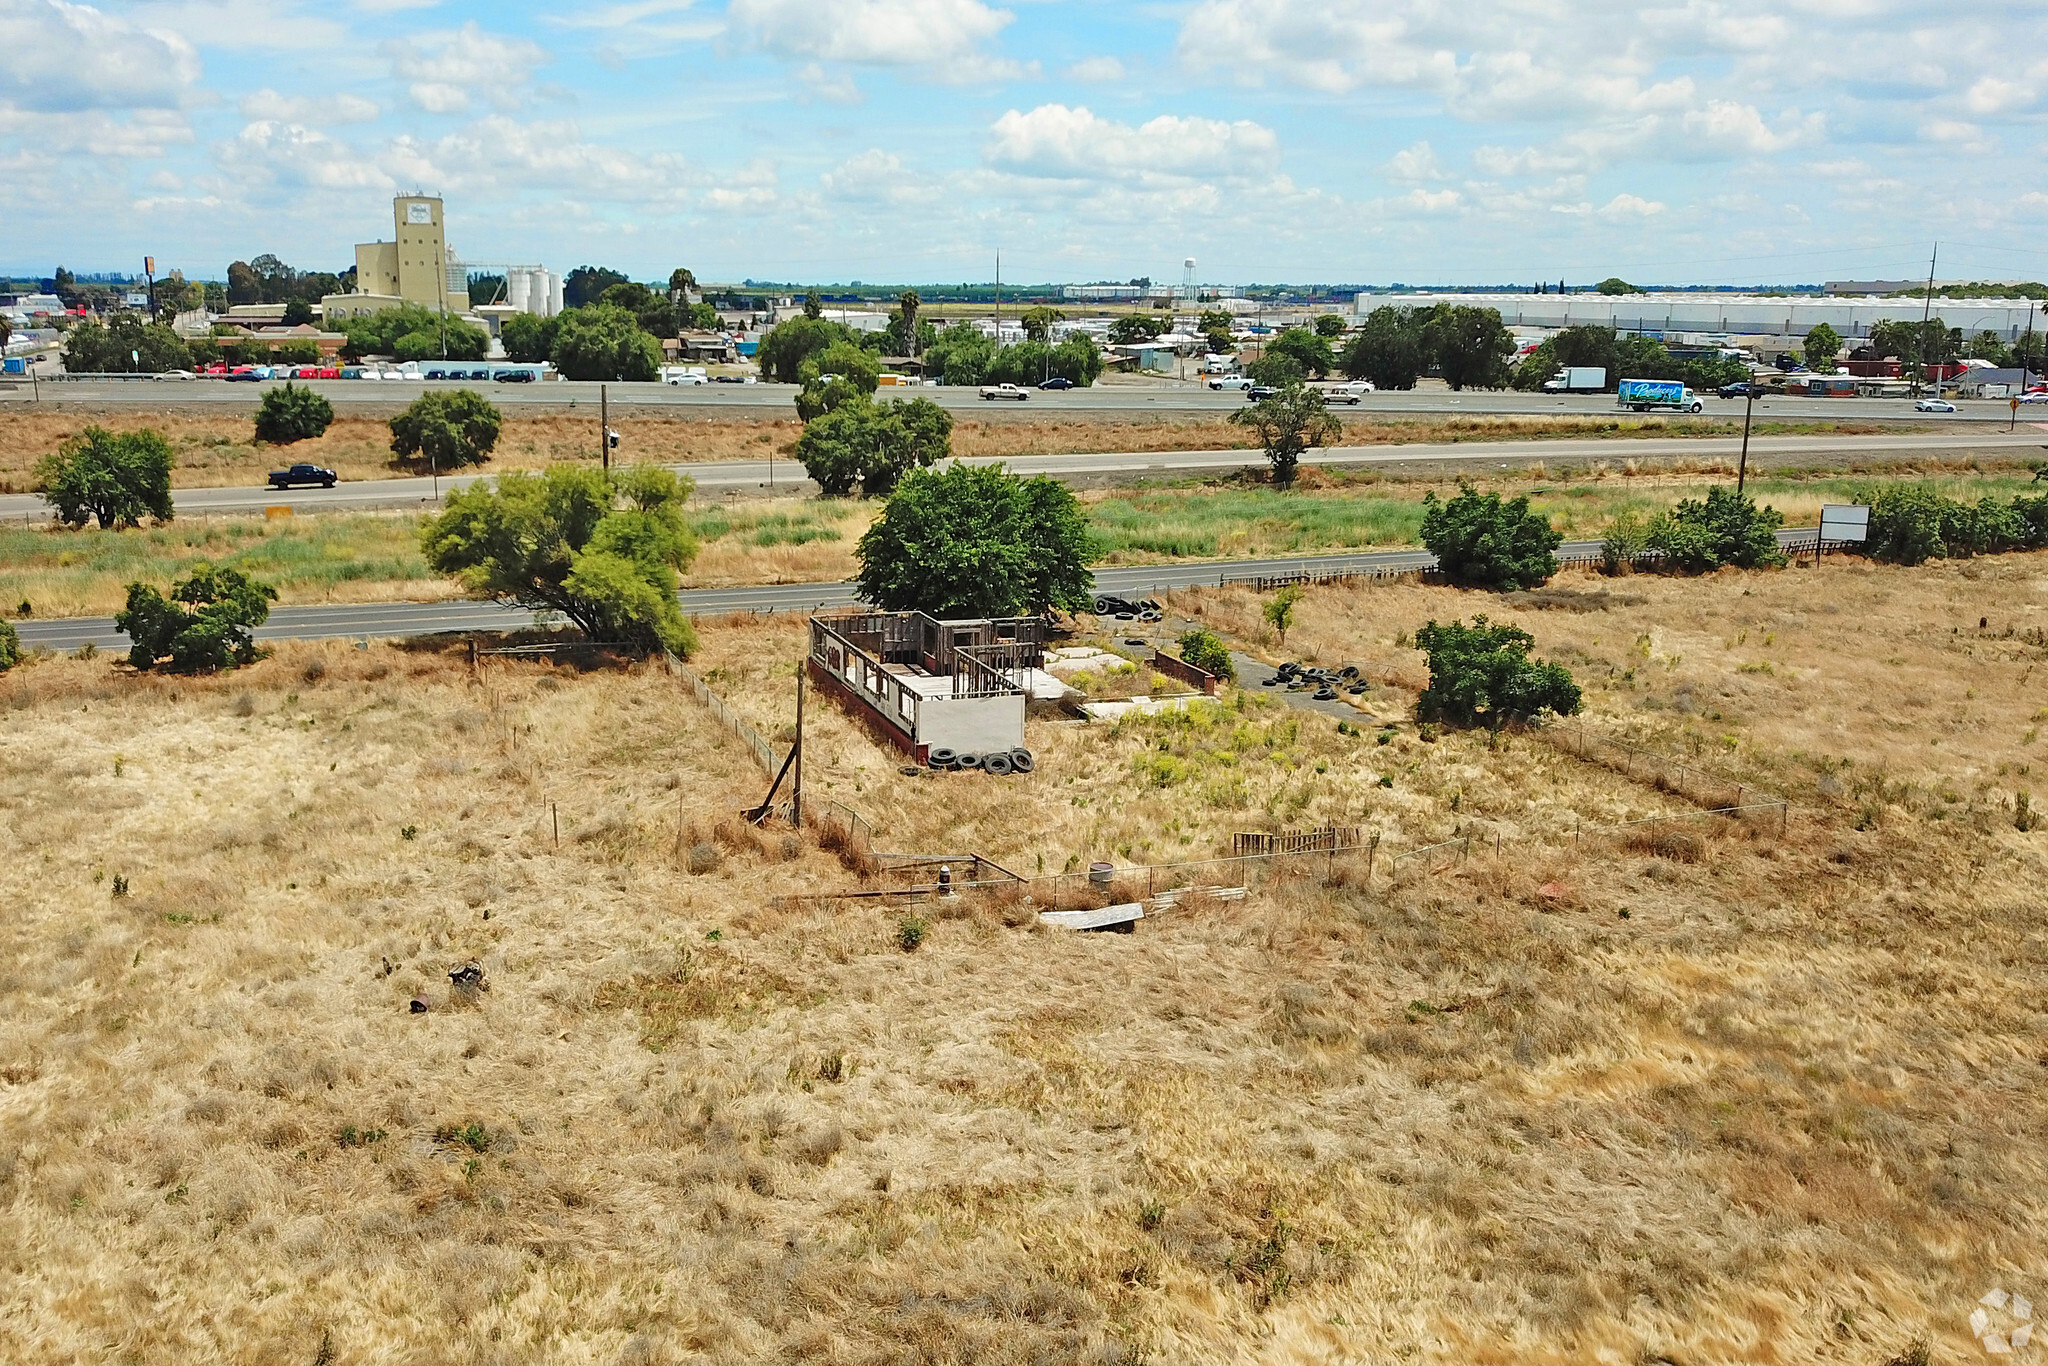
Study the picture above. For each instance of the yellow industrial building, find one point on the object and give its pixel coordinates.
(414, 269)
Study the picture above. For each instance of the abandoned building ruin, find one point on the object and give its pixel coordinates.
(921, 683)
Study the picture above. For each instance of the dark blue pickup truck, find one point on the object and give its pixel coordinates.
(302, 474)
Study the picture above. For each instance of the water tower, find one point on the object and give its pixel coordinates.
(1187, 278)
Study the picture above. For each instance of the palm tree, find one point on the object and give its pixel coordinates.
(910, 303)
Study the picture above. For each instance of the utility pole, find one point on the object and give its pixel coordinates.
(796, 793)
(1749, 407)
(604, 428)
(149, 274)
(999, 296)
(1926, 311)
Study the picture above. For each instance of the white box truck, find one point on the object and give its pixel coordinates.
(1641, 395)
(1577, 379)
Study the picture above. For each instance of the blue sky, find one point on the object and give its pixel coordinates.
(907, 140)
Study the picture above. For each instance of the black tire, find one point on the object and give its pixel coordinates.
(939, 756)
(1021, 760)
(1102, 607)
(997, 765)
(968, 762)
(326, 483)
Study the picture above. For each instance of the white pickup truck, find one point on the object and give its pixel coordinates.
(1352, 391)
(1230, 382)
(1016, 391)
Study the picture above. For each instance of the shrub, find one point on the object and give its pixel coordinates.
(1482, 675)
(1483, 542)
(1726, 528)
(1202, 648)
(292, 414)
(1628, 536)
(447, 430)
(1279, 613)
(10, 646)
(205, 624)
(115, 478)
(1911, 523)
(910, 932)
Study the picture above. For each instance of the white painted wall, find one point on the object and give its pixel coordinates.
(980, 725)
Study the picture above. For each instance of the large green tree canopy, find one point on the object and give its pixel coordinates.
(975, 541)
(606, 551)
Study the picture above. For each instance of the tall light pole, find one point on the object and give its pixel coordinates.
(1748, 407)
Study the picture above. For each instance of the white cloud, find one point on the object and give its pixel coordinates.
(946, 35)
(1434, 201)
(450, 68)
(293, 155)
(1418, 162)
(1101, 69)
(247, 25)
(1630, 206)
(1994, 95)
(1055, 140)
(1739, 129)
(830, 87)
(336, 108)
(63, 57)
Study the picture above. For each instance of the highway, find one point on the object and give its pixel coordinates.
(1118, 398)
(752, 476)
(425, 618)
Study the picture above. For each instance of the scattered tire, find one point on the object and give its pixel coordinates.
(1348, 671)
(911, 771)
(997, 765)
(967, 761)
(1356, 689)
(939, 756)
(1134, 640)
(1102, 607)
(1270, 683)
(1326, 694)
(1021, 760)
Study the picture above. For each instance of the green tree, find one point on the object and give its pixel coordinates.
(814, 307)
(304, 351)
(908, 303)
(206, 624)
(1331, 326)
(297, 313)
(385, 333)
(1205, 650)
(604, 551)
(125, 345)
(1279, 610)
(1482, 675)
(961, 354)
(1038, 321)
(1614, 284)
(839, 374)
(1276, 371)
(292, 414)
(1823, 344)
(1215, 325)
(974, 541)
(528, 338)
(1133, 328)
(682, 282)
(1290, 423)
(605, 342)
(658, 315)
(788, 345)
(873, 444)
(115, 478)
(1389, 349)
(1471, 346)
(10, 646)
(1725, 528)
(447, 429)
(1310, 351)
(1483, 542)
(1057, 547)
(585, 285)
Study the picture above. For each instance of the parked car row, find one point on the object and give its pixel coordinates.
(409, 370)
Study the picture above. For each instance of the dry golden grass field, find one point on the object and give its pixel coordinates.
(1697, 1093)
(220, 449)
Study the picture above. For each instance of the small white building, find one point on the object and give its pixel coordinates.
(922, 684)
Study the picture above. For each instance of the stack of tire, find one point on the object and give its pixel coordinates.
(997, 763)
(1326, 682)
(1123, 609)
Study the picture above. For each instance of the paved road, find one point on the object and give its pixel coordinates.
(1142, 398)
(424, 618)
(753, 475)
